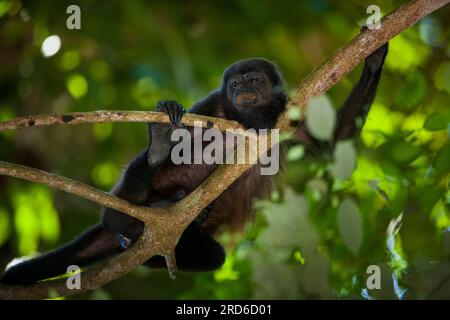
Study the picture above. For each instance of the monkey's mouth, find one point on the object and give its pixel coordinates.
(245, 98)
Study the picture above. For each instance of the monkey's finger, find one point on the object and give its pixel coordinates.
(179, 113)
(173, 116)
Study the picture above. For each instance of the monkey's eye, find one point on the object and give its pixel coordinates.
(235, 84)
(254, 80)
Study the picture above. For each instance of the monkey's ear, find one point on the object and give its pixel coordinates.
(160, 143)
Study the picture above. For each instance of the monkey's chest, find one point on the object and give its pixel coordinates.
(185, 176)
(231, 209)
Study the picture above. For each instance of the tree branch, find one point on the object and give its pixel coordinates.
(112, 116)
(77, 188)
(163, 231)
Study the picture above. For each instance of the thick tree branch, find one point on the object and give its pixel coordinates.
(162, 233)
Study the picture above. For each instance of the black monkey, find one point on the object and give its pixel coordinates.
(251, 93)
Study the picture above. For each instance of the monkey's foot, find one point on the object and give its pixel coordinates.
(174, 110)
(124, 241)
(204, 214)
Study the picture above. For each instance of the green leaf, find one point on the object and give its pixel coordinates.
(105, 174)
(321, 117)
(390, 169)
(350, 225)
(442, 161)
(77, 86)
(437, 121)
(285, 220)
(296, 153)
(412, 91)
(442, 77)
(399, 151)
(345, 160)
(294, 113)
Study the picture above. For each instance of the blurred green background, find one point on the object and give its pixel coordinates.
(317, 236)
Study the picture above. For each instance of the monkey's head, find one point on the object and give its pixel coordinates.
(254, 87)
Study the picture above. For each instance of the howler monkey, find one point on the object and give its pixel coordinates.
(251, 93)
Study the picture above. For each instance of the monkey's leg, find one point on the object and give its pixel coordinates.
(160, 143)
(352, 115)
(93, 245)
(196, 251)
(134, 186)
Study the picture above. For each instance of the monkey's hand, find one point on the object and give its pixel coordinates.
(204, 214)
(375, 61)
(174, 110)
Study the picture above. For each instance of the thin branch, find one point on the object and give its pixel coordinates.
(112, 116)
(161, 235)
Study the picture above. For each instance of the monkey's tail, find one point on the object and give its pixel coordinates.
(93, 245)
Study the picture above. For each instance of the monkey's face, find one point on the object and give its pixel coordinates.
(249, 90)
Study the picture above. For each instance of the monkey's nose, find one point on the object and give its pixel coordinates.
(246, 97)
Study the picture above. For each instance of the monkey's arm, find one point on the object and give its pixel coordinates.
(352, 115)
